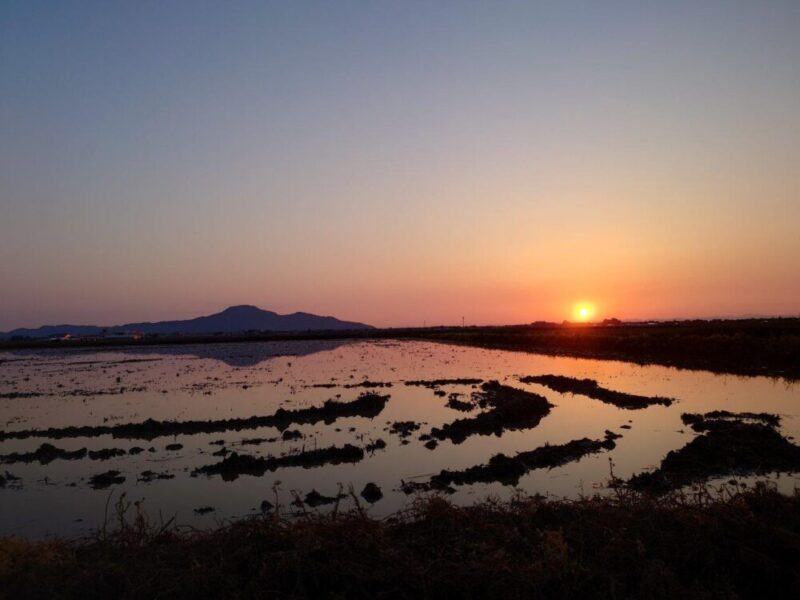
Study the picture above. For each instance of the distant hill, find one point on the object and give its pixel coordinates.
(235, 319)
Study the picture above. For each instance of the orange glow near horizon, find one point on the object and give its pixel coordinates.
(583, 312)
(521, 164)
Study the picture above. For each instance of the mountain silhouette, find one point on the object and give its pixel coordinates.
(235, 319)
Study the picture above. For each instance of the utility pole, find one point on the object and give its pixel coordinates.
(462, 322)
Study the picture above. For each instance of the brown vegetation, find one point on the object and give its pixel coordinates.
(733, 544)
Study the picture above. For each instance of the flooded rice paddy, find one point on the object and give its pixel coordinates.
(208, 433)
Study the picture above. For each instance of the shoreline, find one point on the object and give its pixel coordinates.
(750, 347)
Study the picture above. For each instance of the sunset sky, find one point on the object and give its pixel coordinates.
(398, 162)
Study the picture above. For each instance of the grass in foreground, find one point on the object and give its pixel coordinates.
(728, 544)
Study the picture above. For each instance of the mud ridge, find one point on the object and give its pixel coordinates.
(235, 464)
(590, 388)
(728, 447)
(712, 419)
(509, 409)
(434, 383)
(509, 469)
(367, 405)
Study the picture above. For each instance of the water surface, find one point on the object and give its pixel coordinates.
(56, 388)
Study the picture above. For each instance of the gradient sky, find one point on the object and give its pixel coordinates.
(398, 162)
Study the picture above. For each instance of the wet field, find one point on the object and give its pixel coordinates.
(209, 432)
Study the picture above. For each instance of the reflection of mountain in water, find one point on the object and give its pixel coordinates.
(245, 354)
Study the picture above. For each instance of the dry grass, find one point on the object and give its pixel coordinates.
(723, 543)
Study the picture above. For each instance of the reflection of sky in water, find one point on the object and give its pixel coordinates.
(241, 380)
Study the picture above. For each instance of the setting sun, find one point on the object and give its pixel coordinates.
(583, 311)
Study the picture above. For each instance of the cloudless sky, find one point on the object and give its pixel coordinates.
(398, 162)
